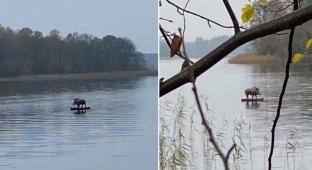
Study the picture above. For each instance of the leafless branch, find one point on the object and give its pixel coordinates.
(197, 15)
(184, 19)
(232, 15)
(163, 32)
(204, 121)
(280, 101)
(279, 9)
(166, 19)
(277, 6)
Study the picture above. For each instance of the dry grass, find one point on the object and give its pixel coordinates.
(251, 58)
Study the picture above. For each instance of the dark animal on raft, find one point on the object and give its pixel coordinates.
(79, 102)
(253, 92)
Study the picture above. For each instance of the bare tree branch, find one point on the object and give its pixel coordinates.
(163, 32)
(280, 101)
(232, 15)
(286, 22)
(204, 121)
(166, 19)
(197, 15)
(184, 19)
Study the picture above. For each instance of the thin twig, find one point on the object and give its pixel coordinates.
(280, 102)
(232, 15)
(184, 19)
(166, 19)
(163, 32)
(204, 122)
(200, 16)
(279, 6)
(309, 65)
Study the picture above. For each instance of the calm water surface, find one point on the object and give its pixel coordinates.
(223, 86)
(38, 130)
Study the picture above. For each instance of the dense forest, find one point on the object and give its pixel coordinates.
(25, 51)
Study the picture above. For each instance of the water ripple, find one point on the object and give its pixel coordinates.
(36, 121)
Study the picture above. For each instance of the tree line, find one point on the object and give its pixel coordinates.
(25, 51)
(200, 47)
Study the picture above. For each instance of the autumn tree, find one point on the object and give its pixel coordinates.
(276, 44)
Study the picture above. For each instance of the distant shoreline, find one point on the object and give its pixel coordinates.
(252, 58)
(83, 76)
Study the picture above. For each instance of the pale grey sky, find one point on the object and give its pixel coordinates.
(196, 27)
(135, 19)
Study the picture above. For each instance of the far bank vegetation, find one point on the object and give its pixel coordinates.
(252, 58)
(28, 52)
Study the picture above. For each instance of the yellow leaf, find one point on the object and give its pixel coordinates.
(262, 2)
(309, 44)
(247, 12)
(175, 45)
(296, 58)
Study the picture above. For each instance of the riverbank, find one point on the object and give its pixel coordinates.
(83, 76)
(251, 58)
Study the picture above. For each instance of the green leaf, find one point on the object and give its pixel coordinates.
(247, 12)
(309, 44)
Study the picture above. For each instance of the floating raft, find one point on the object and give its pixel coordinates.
(253, 100)
(80, 108)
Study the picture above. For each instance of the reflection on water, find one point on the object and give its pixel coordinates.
(38, 130)
(224, 85)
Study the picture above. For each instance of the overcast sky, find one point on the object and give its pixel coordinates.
(135, 19)
(196, 27)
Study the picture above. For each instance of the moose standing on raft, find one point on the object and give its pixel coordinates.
(253, 92)
(79, 102)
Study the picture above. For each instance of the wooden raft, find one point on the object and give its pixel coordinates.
(253, 100)
(80, 108)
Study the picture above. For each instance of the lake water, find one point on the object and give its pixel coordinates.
(223, 87)
(38, 131)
